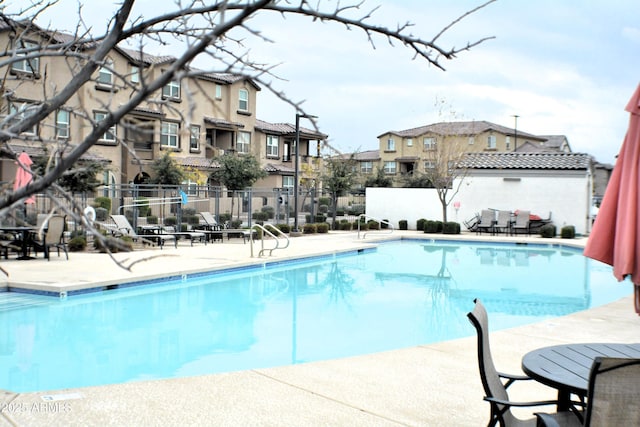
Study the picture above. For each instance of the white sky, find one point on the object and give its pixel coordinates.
(565, 67)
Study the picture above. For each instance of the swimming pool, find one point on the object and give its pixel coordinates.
(400, 294)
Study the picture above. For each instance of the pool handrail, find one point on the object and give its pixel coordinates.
(380, 221)
(276, 238)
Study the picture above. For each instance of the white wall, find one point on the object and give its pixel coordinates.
(567, 198)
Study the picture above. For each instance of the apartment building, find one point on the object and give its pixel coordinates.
(416, 150)
(197, 118)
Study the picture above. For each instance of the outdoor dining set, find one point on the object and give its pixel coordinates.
(506, 222)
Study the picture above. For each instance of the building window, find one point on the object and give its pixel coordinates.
(472, 140)
(243, 142)
(135, 74)
(62, 124)
(429, 143)
(491, 141)
(109, 184)
(194, 138)
(287, 182)
(429, 165)
(218, 91)
(390, 168)
(169, 135)
(105, 74)
(391, 144)
(31, 65)
(110, 134)
(366, 167)
(171, 90)
(272, 146)
(20, 111)
(409, 142)
(507, 143)
(191, 186)
(243, 100)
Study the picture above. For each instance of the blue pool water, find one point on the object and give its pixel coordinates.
(398, 295)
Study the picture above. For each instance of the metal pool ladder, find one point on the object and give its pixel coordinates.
(279, 238)
(389, 230)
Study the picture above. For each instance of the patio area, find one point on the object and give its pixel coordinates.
(430, 385)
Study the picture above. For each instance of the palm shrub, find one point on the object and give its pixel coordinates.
(568, 232)
(548, 231)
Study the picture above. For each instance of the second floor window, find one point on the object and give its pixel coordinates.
(243, 142)
(429, 143)
(507, 143)
(135, 74)
(390, 168)
(366, 167)
(110, 134)
(31, 65)
(169, 135)
(218, 91)
(105, 74)
(409, 142)
(194, 140)
(391, 144)
(272, 146)
(491, 141)
(243, 100)
(171, 90)
(20, 111)
(62, 124)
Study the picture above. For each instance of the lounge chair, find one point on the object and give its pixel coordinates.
(503, 223)
(521, 223)
(124, 227)
(487, 221)
(210, 222)
(53, 237)
(612, 400)
(193, 236)
(492, 380)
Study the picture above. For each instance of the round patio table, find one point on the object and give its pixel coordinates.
(567, 367)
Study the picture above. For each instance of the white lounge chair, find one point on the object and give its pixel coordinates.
(124, 227)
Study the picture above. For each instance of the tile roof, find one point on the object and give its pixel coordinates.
(273, 168)
(196, 162)
(38, 150)
(224, 124)
(548, 160)
(459, 129)
(287, 129)
(146, 58)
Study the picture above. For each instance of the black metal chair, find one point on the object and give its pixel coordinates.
(613, 397)
(496, 383)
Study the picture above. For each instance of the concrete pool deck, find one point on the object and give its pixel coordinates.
(429, 385)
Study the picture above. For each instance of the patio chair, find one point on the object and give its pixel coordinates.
(503, 223)
(521, 223)
(492, 380)
(487, 221)
(612, 397)
(53, 237)
(210, 222)
(124, 227)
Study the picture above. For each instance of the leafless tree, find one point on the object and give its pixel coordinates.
(211, 30)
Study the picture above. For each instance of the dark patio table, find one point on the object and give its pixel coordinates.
(567, 367)
(22, 233)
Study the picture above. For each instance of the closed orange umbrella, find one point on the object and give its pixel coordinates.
(615, 237)
(23, 175)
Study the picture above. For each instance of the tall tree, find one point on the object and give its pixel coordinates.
(237, 172)
(339, 177)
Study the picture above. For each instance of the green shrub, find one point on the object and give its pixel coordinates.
(356, 210)
(77, 244)
(323, 227)
(403, 224)
(568, 232)
(451, 227)
(225, 217)
(548, 230)
(101, 214)
(345, 225)
(236, 223)
(269, 210)
(373, 225)
(323, 209)
(143, 206)
(188, 211)
(170, 220)
(102, 202)
(430, 226)
(285, 228)
(191, 219)
(340, 212)
(124, 243)
(324, 201)
(363, 226)
(260, 216)
(152, 219)
(320, 218)
(309, 228)
(420, 224)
